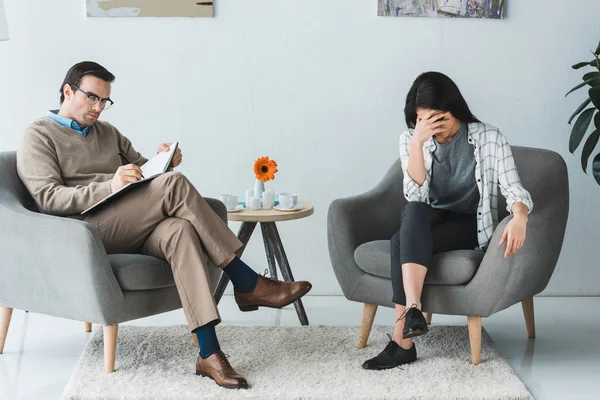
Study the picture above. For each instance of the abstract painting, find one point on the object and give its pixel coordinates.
(442, 8)
(149, 8)
(3, 23)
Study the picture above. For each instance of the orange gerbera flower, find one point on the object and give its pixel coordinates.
(265, 169)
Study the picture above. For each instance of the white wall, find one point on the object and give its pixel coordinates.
(317, 85)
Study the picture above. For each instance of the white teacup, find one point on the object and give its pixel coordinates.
(288, 201)
(230, 201)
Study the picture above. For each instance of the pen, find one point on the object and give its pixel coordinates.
(128, 162)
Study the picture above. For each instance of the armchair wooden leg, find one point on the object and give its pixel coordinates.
(529, 316)
(5, 315)
(428, 316)
(195, 340)
(110, 347)
(369, 312)
(475, 338)
(87, 326)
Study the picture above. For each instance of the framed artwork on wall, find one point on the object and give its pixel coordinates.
(149, 8)
(493, 9)
(3, 23)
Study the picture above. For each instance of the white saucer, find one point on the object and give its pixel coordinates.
(279, 208)
(237, 209)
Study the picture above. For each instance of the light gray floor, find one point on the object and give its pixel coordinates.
(562, 363)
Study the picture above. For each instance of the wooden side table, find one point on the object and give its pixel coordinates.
(273, 245)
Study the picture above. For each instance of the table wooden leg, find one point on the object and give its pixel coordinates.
(244, 235)
(284, 266)
(269, 250)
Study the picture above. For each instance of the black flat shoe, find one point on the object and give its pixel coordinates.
(414, 323)
(392, 356)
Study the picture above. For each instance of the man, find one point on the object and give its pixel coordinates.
(69, 160)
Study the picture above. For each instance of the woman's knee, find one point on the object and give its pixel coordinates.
(416, 209)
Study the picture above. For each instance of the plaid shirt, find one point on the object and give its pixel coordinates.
(495, 167)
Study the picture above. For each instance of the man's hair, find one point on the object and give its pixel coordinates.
(79, 70)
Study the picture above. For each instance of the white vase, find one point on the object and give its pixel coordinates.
(259, 188)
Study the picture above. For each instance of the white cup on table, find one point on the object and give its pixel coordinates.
(249, 194)
(288, 201)
(254, 203)
(230, 201)
(268, 199)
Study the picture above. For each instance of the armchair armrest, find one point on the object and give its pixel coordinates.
(501, 282)
(218, 207)
(352, 221)
(54, 265)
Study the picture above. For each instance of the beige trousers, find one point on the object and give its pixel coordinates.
(167, 218)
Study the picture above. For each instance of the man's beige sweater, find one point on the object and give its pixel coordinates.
(67, 172)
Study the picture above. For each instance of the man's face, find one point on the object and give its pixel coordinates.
(78, 107)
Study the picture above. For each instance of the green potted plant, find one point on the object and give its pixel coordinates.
(586, 115)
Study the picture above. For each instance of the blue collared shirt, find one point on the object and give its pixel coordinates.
(69, 123)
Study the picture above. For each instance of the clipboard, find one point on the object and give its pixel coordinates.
(157, 165)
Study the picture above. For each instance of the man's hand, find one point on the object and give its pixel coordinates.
(515, 231)
(177, 157)
(125, 175)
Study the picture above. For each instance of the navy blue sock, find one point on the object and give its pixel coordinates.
(243, 277)
(207, 339)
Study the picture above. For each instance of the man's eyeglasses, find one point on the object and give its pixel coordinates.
(92, 99)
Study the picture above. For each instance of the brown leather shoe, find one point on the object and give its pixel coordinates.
(217, 367)
(271, 293)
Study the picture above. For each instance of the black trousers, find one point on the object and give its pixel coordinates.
(424, 231)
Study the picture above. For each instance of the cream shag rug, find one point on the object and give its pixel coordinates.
(313, 362)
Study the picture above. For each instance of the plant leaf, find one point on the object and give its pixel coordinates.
(597, 52)
(580, 128)
(597, 121)
(591, 75)
(580, 108)
(591, 82)
(596, 168)
(588, 147)
(595, 96)
(576, 87)
(581, 65)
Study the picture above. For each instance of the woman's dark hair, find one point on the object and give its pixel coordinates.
(434, 90)
(78, 71)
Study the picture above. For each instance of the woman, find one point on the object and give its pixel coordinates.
(453, 165)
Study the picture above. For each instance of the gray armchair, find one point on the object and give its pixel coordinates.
(58, 266)
(466, 282)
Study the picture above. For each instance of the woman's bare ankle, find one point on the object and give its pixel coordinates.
(413, 303)
(404, 343)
